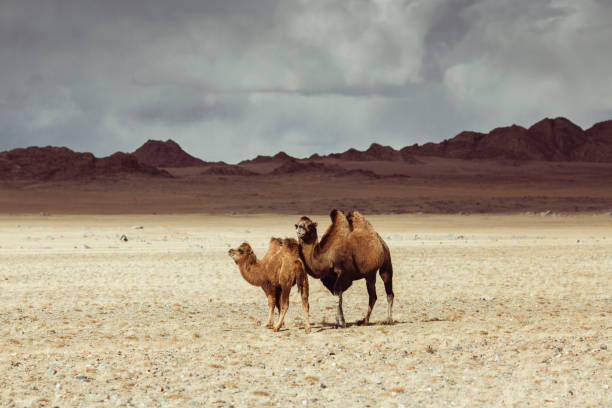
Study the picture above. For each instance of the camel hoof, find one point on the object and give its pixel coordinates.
(307, 330)
(268, 326)
(388, 321)
(363, 322)
(275, 329)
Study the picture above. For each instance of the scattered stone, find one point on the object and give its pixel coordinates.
(137, 227)
(51, 371)
(123, 238)
(323, 386)
(85, 246)
(83, 378)
(603, 347)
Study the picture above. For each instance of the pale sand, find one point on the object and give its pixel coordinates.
(490, 311)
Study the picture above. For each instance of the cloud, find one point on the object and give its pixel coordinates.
(230, 79)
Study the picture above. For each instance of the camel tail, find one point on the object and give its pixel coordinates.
(386, 274)
(386, 270)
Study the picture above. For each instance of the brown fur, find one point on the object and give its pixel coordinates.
(279, 269)
(350, 250)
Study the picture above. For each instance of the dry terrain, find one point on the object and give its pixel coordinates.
(434, 185)
(491, 310)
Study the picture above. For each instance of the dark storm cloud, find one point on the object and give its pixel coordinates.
(229, 79)
(448, 27)
(186, 110)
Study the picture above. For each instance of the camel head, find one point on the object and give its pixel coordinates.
(306, 229)
(241, 253)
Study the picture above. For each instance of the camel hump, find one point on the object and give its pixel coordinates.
(334, 213)
(275, 241)
(275, 244)
(291, 245)
(339, 228)
(358, 221)
(339, 221)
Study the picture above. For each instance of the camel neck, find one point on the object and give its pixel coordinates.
(310, 251)
(251, 271)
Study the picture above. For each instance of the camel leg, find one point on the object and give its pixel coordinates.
(339, 313)
(305, 305)
(271, 305)
(371, 286)
(387, 277)
(277, 292)
(339, 288)
(284, 304)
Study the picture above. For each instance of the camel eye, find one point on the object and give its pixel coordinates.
(240, 251)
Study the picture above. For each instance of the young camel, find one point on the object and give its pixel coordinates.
(279, 269)
(349, 250)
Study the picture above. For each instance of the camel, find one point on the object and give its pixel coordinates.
(279, 269)
(349, 250)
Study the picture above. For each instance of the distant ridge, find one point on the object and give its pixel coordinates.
(375, 152)
(293, 167)
(228, 170)
(555, 139)
(278, 157)
(52, 163)
(166, 154)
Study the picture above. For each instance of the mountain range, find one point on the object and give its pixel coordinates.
(555, 139)
(548, 140)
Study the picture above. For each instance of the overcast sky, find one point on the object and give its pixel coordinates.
(230, 79)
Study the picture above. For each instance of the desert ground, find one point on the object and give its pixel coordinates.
(434, 185)
(490, 310)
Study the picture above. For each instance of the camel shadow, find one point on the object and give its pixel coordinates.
(323, 326)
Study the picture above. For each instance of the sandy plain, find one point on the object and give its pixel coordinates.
(491, 310)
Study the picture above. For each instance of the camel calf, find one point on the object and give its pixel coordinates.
(279, 269)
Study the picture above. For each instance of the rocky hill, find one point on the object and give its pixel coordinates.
(555, 139)
(548, 140)
(60, 163)
(165, 154)
(278, 157)
(375, 152)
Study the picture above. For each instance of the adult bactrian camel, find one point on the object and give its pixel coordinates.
(349, 250)
(279, 269)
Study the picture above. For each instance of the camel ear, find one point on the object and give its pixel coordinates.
(295, 225)
(315, 224)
